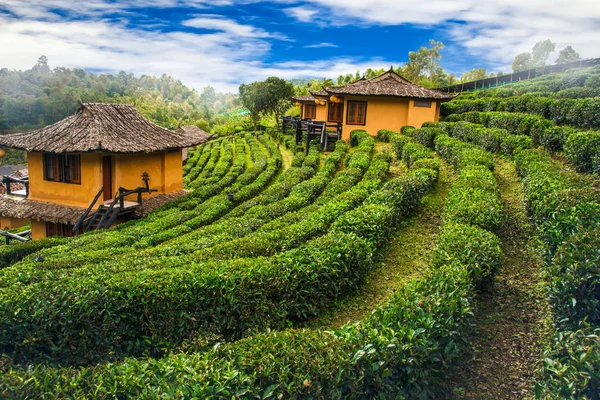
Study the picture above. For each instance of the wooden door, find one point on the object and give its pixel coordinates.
(107, 177)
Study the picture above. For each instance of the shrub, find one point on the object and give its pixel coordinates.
(16, 251)
(414, 151)
(471, 246)
(574, 277)
(581, 148)
(406, 129)
(570, 365)
(398, 143)
(383, 135)
(475, 199)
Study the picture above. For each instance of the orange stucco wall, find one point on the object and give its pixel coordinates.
(418, 115)
(65, 193)
(164, 169)
(11, 223)
(38, 229)
(321, 111)
(382, 113)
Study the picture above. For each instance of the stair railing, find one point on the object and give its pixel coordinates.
(87, 212)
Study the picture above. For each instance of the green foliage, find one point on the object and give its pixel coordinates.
(570, 369)
(41, 96)
(461, 154)
(383, 135)
(475, 199)
(574, 276)
(469, 245)
(582, 149)
(16, 251)
(412, 152)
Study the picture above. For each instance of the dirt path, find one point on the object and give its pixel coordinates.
(508, 325)
(406, 258)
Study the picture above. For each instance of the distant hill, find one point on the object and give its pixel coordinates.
(40, 96)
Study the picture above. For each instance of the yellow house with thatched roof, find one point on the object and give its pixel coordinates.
(104, 164)
(388, 101)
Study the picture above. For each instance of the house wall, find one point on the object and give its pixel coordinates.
(164, 169)
(38, 229)
(321, 111)
(419, 115)
(11, 223)
(382, 113)
(71, 194)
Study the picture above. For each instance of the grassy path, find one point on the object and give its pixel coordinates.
(508, 326)
(286, 157)
(406, 259)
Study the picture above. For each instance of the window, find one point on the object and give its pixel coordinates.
(62, 168)
(56, 229)
(310, 111)
(423, 103)
(336, 112)
(357, 113)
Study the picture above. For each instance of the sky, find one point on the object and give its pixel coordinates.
(224, 43)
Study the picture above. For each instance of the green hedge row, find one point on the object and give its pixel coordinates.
(475, 199)
(461, 154)
(574, 83)
(401, 349)
(494, 140)
(580, 113)
(424, 321)
(566, 213)
(582, 148)
(515, 123)
(118, 302)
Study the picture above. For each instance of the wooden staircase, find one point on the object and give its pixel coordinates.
(108, 212)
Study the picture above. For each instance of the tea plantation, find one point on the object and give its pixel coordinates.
(212, 295)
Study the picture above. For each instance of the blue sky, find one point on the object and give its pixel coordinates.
(227, 42)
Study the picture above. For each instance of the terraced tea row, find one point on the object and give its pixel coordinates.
(129, 282)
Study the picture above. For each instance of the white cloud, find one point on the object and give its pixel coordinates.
(490, 29)
(229, 26)
(224, 59)
(321, 45)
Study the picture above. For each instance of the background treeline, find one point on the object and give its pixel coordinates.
(40, 96)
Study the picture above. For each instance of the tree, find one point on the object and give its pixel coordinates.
(567, 55)
(521, 62)
(423, 60)
(254, 99)
(473, 75)
(278, 93)
(42, 65)
(541, 52)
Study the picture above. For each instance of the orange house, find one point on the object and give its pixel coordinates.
(388, 101)
(102, 165)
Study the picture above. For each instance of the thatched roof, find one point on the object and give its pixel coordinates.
(112, 128)
(194, 131)
(306, 98)
(389, 84)
(16, 207)
(311, 97)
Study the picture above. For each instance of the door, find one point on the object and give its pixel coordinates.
(107, 177)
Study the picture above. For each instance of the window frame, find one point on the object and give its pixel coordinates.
(357, 102)
(54, 229)
(62, 168)
(312, 107)
(333, 105)
(422, 103)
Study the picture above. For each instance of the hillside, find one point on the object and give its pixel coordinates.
(40, 96)
(458, 260)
